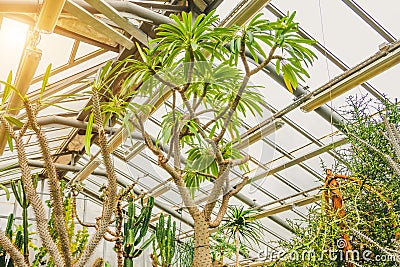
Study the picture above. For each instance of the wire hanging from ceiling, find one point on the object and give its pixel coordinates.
(327, 66)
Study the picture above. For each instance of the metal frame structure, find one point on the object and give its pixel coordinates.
(115, 26)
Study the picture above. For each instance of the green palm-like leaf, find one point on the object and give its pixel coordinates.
(242, 221)
(188, 37)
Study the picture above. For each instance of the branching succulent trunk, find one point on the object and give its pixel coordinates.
(37, 205)
(54, 185)
(14, 252)
(111, 193)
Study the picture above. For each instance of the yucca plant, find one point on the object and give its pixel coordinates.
(241, 226)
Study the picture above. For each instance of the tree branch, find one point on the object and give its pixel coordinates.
(174, 126)
(162, 80)
(232, 108)
(241, 90)
(213, 197)
(176, 177)
(225, 202)
(187, 104)
(241, 161)
(219, 116)
(265, 62)
(203, 95)
(243, 55)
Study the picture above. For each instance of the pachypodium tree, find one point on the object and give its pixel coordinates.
(197, 64)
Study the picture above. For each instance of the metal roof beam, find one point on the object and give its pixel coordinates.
(79, 12)
(370, 20)
(296, 161)
(41, 164)
(110, 12)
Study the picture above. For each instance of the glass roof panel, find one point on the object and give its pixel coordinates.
(384, 14)
(349, 37)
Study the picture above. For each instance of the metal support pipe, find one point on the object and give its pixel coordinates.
(107, 10)
(31, 6)
(298, 160)
(243, 12)
(41, 164)
(288, 206)
(82, 14)
(125, 6)
(59, 120)
(328, 54)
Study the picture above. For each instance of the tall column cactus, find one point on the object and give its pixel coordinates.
(164, 244)
(135, 229)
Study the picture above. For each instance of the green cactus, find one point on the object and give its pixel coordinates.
(20, 197)
(135, 229)
(164, 244)
(3, 254)
(18, 242)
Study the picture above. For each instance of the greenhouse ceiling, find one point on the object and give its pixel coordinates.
(358, 52)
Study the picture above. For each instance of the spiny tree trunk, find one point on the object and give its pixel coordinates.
(202, 253)
(54, 185)
(37, 205)
(9, 247)
(111, 195)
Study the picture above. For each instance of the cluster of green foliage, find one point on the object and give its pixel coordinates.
(178, 57)
(239, 232)
(372, 204)
(185, 253)
(222, 247)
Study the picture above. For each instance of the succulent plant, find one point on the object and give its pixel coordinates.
(164, 243)
(135, 230)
